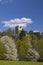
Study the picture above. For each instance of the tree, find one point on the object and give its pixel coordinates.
(37, 34)
(2, 51)
(22, 34)
(6, 32)
(22, 47)
(30, 32)
(9, 32)
(40, 50)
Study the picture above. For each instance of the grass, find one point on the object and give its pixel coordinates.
(20, 63)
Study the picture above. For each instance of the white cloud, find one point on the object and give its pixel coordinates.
(35, 31)
(17, 22)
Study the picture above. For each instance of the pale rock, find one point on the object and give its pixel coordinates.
(11, 50)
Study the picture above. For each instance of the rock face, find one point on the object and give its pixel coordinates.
(18, 30)
(32, 54)
(11, 50)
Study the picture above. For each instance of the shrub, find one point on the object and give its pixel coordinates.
(2, 51)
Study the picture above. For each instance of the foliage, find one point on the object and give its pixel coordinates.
(37, 43)
(22, 34)
(7, 32)
(22, 43)
(40, 50)
(2, 51)
(22, 46)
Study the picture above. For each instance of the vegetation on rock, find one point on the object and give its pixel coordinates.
(25, 46)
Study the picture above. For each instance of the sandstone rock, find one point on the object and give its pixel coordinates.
(11, 50)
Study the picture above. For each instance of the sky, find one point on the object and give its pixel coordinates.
(25, 13)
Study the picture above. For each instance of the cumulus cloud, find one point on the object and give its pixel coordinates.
(17, 22)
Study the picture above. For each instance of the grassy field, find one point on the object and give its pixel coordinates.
(20, 63)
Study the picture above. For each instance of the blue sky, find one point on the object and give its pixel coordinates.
(27, 13)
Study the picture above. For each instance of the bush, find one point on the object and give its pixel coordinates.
(2, 51)
(22, 46)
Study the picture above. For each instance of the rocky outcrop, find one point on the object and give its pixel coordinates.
(11, 50)
(32, 54)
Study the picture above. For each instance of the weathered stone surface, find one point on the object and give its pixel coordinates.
(32, 54)
(11, 50)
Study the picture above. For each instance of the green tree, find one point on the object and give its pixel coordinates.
(40, 50)
(6, 32)
(9, 32)
(2, 51)
(22, 47)
(22, 34)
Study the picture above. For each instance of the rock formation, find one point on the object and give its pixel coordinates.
(32, 54)
(11, 50)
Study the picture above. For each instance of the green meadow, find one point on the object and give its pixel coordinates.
(20, 63)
